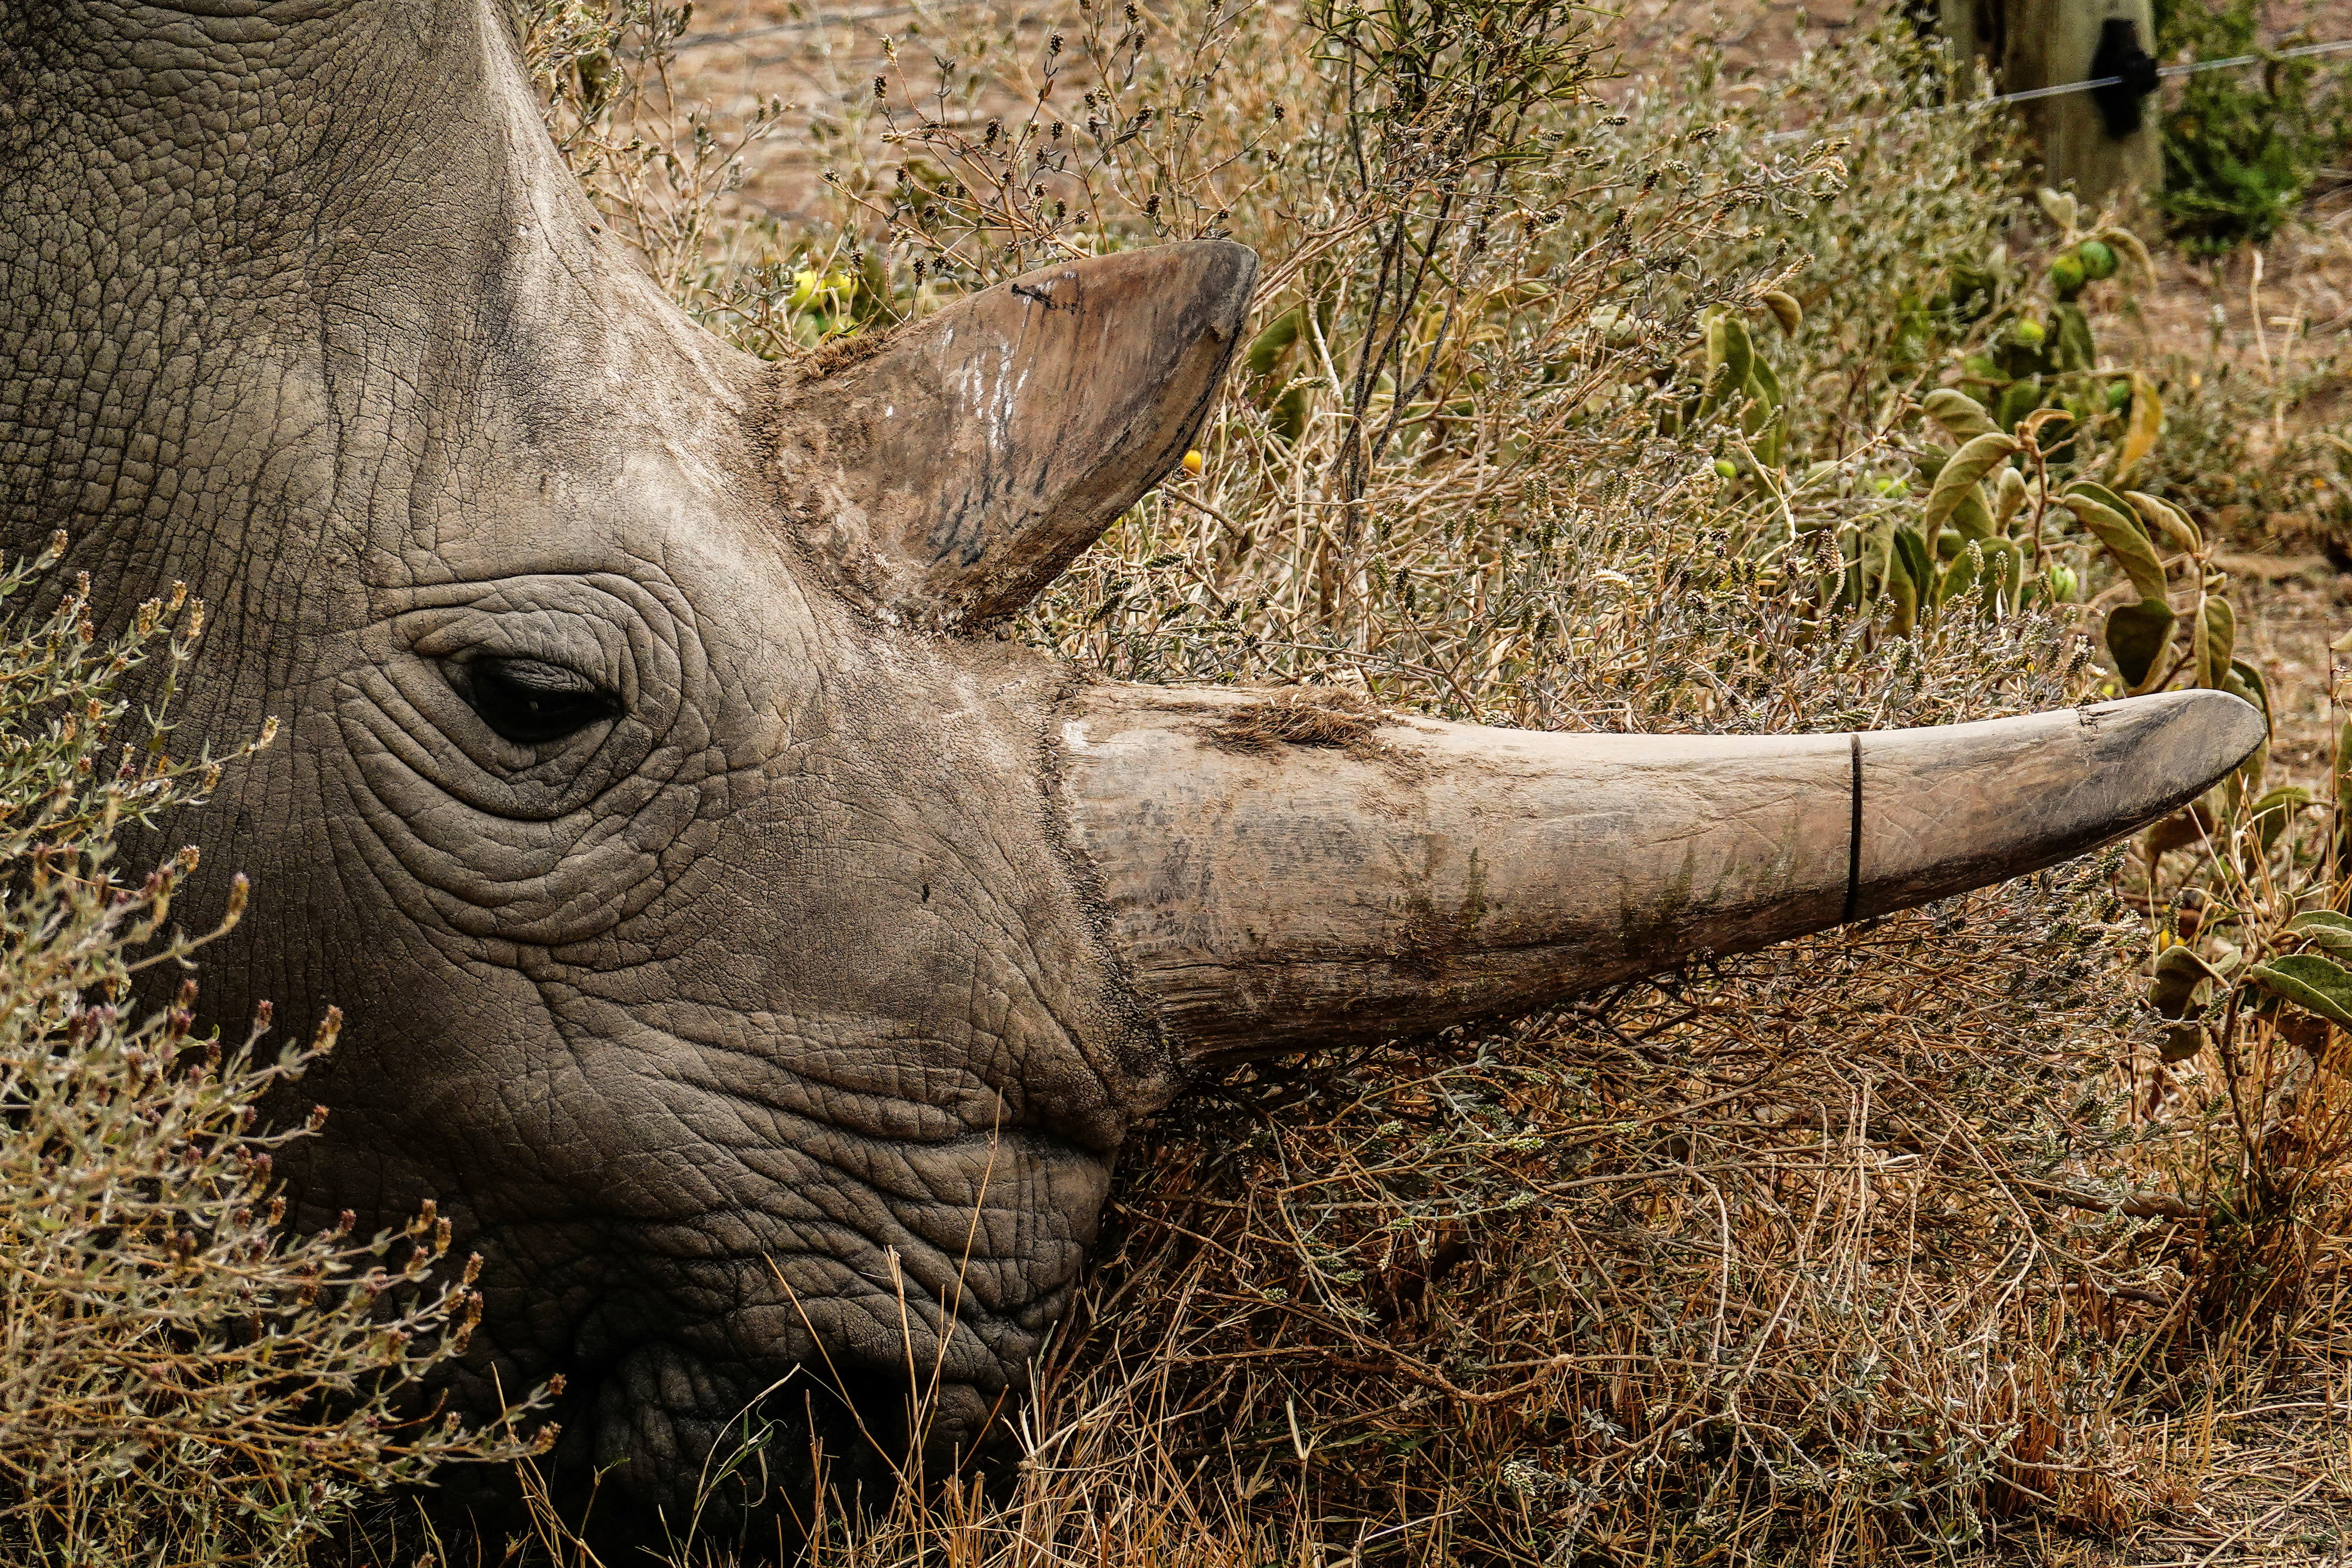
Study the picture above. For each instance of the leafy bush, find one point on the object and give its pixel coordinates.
(2241, 147)
(180, 1381)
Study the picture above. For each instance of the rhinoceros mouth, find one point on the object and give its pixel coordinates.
(780, 1214)
(683, 1438)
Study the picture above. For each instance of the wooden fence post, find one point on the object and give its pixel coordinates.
(1972, 32)
(2043, 43)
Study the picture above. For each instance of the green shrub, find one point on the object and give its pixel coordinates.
(181, 1382)
(2242, 146)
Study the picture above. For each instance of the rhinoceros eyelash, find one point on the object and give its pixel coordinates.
(529, 701)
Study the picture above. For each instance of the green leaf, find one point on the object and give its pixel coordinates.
(1964, 569)
(2164, 518)
(2008, 498)
(2136, 637)
(2179, 973)
(1288, 418)
(2215, 637)
(2258, 690)
(1913, 551)
(2245, 683)
(1971, 463)
(1903, 589)
(2273, 812)
(2016, 401)
(2313, 983)
(2102, 494)
(1878, 562)
(1915, 584)
(2071, 348)
(1730, 356)
(1759, 415)
(1265, 349)
(1970, 519)
(2181, 1041)
(1963, 416)
(2324, 927)
(2123, 540)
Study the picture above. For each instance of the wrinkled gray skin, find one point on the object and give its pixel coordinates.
(785, 965)
(788, 1012)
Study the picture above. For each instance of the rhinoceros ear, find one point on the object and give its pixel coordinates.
(948, 474)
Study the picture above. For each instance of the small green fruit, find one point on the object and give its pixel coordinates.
(2067, 273)
(2098, 259)
(2029, 333)
(2118, 396)
(1724, 466)
(807, 284)
(2061, 584)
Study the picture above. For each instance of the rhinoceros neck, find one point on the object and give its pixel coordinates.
(250, 254)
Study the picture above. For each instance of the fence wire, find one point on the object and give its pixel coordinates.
(744, 36)
(2090, 84)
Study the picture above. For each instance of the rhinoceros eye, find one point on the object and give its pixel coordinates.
(530, 703)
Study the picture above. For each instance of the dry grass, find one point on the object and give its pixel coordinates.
(1312, 717)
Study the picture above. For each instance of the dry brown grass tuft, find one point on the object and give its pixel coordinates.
(1316, 716)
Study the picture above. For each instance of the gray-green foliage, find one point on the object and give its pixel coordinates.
(182, 1381)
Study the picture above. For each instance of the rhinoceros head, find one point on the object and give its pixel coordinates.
(760, 959)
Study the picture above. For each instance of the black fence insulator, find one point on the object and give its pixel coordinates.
(2119, 56)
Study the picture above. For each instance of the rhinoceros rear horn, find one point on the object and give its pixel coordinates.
(950, 472)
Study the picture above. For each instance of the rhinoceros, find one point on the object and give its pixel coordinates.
(756, 954)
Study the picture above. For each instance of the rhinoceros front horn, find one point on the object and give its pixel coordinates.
(948, 471)
(1279, 870)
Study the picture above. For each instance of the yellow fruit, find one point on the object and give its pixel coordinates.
(1192, 464)
(808, 283)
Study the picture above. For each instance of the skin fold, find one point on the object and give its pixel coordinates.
(771, 1030)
